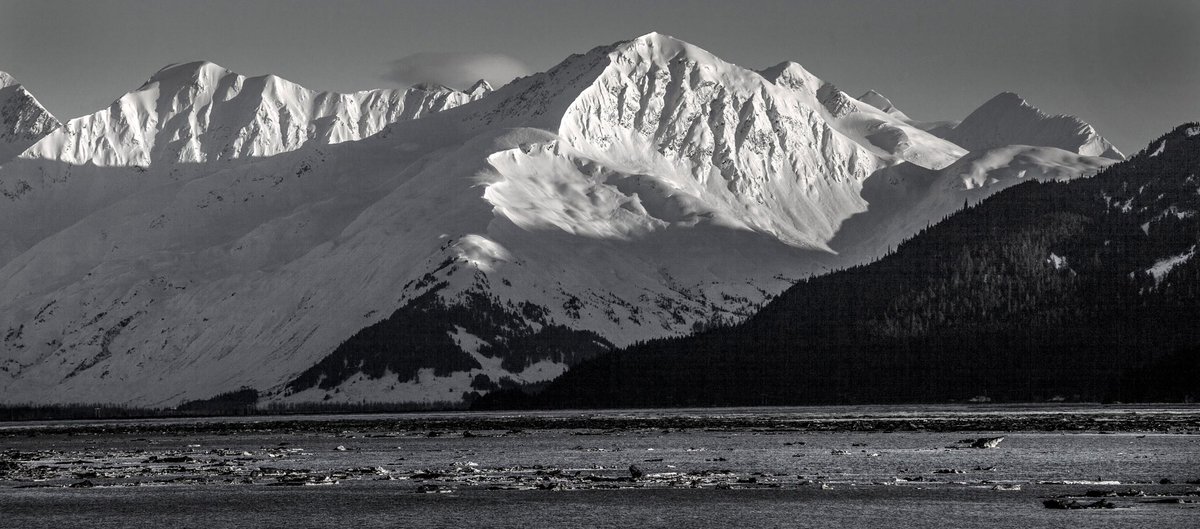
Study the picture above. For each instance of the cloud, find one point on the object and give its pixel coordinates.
(456, 70)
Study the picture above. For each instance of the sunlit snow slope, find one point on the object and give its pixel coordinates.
(210, 231)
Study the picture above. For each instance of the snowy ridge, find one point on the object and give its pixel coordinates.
(200, 112)
(23, 121)
(229, 231)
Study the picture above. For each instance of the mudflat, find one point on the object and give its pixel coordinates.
(921, 466)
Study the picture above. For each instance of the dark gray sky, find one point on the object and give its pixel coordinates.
(1131, 68)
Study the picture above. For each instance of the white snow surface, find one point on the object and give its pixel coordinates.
(210, 231)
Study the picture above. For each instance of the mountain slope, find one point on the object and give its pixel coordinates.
(643, 189)
(1087, 289)
(23, 121)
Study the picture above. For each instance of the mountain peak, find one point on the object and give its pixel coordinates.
(188, 71)
(1009, 99)
(656, 37)
(793, 76)
(656, 44)
(785, 69)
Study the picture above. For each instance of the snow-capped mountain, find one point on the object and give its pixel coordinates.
(209, 231)
(23, 121)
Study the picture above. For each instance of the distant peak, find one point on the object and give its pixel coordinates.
(1010, 103)
(1008, 119)
(1008, 99)
(655, 36)
(7, 80)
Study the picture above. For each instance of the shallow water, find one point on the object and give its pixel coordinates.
(377, 505)
(368, 471)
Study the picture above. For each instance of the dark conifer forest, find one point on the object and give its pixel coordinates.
(1085, 290)
(419, 336)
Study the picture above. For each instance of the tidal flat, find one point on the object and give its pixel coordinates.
(927, 466)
